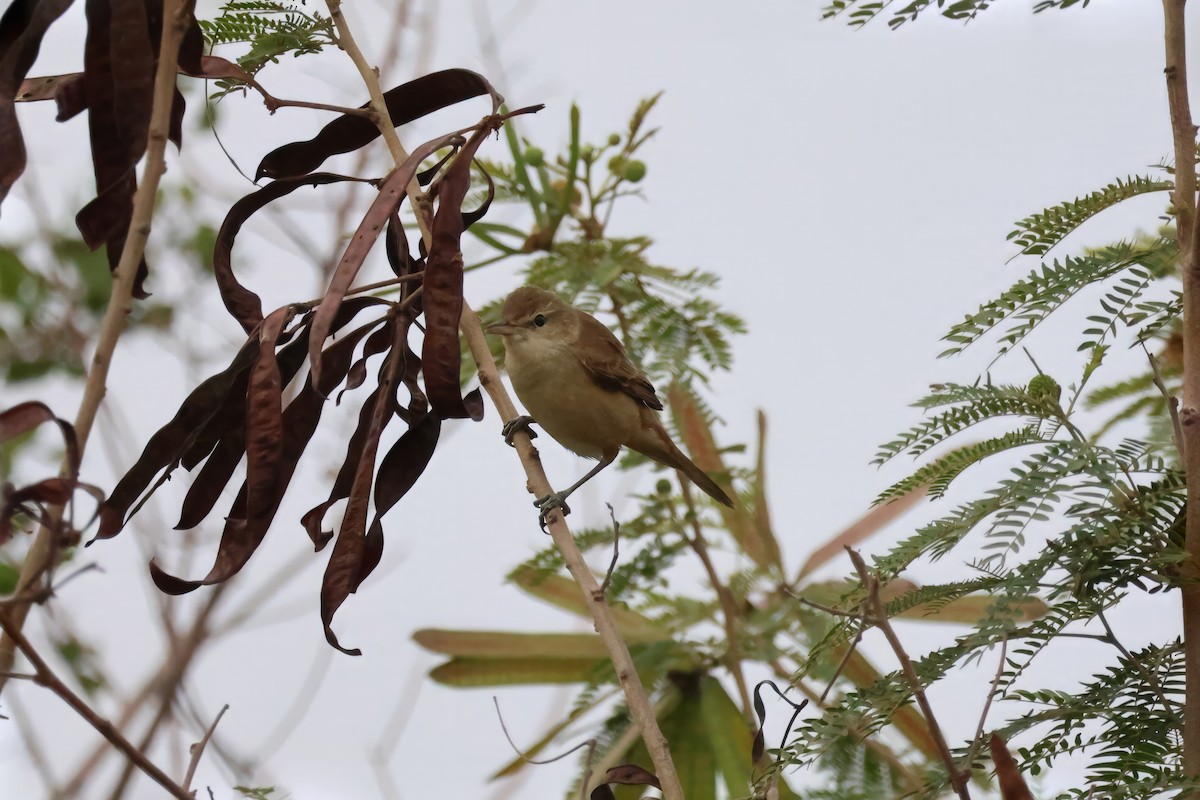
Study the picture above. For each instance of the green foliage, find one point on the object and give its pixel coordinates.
(272, 29)
(1037, 234)
(1078, 521)
(1029, 301)
(859, 13)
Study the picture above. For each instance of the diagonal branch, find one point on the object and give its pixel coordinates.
(177, 15)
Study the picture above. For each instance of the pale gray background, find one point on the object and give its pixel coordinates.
(853, 190)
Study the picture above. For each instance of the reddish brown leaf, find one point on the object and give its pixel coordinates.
(338, 357)
(443, 282)
(627, 775)
(264, 421)
(243, 304)
(191, 49)
(167, 446)
(24, 417)
(391, 194)
(54, 491)
(347, 133)
(398, 473)
(21, 30)
(119, 81)
(343, 574)
(1012, 785)
(377, 342)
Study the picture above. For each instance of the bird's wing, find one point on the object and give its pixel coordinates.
(603, 356)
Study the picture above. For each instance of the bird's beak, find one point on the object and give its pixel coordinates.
(501, 329)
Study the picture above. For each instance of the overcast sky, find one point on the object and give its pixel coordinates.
(852, 189)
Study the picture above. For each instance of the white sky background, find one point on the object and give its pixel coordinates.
(852, 189)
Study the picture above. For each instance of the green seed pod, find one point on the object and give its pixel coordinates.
(616, 165)
(614, 139)
(534, 157)
(635, 171)
(1044, 387)
(663, 486)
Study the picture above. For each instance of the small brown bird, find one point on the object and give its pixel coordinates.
(573, 376)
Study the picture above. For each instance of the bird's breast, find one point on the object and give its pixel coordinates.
(567, 402)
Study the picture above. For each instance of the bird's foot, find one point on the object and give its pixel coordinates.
(521, 423)
(551, 502)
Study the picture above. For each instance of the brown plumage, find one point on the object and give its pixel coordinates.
(575, 379)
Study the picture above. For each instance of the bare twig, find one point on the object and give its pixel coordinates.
(1172, 400)
(197, 749)
(729, 610)
(616, 549)
(977, 742)
(177, 15)
(878, 617)
(638, 700)
(44, 676)
(909, 778)
(539, 486)
(520, 754)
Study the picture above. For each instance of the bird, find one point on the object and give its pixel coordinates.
(573, 376)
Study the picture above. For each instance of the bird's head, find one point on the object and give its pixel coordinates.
(532, 316)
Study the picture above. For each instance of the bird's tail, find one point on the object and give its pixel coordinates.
(701, 479)
(656, 444)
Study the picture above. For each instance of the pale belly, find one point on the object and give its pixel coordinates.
(567, 403)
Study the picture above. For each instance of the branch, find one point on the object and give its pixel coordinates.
(198, 749)
(729, 611)
(539, 486)
(878, 615)
(44, 676)
(177, 15)
(1183, 132)
(489, 378)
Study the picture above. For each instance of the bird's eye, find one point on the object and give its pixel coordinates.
(539, 320)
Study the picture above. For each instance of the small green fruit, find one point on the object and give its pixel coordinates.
(663, 486)
(614, 139)
(534, 157)
(587, 152)
(635, 171)
(616, 165)
(1044, 387)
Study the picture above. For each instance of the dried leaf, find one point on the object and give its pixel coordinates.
(391, 194)
(1012, 785)
(405, 103)
(443, 282)
(243, 304)
(119, 81)
(345, 570)
(757, 542)
(627, 775)
(170, 442)
(21, 30)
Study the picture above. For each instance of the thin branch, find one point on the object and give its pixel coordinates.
(46, 677)
(958, 779)
(635, 693)
(729, 610)
(907, 775)
(612, 565)
(977, 742)
(177, 15)
(1172, 400)
(197, 749)
(520, 754)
